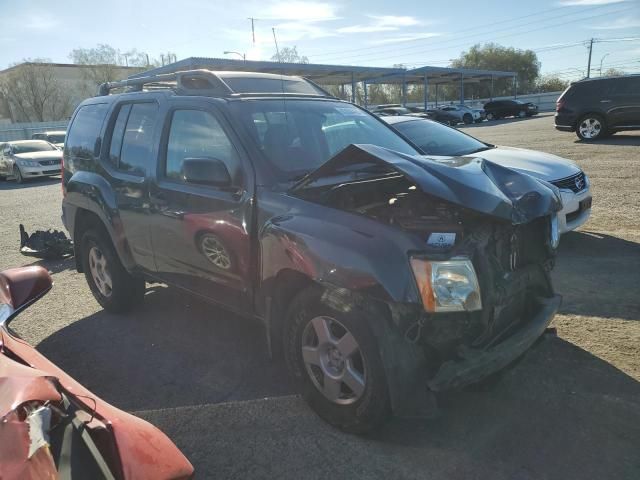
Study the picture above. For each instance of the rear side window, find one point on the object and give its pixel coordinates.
(132, 138)
(84, 133)
(198, 134)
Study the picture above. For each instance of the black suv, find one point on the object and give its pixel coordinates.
(597, 107)
(379, 274)
(497, 109)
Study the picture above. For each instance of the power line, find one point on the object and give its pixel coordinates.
(564, 22)
(483, 26)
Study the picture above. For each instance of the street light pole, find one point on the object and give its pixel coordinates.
(601, 60)
(241, 55)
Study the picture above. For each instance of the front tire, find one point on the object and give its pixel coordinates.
(17, 174)
(334, 356)
(591, 127)
(467, 118)
(490, 116)
(115, 289)
(522, 114)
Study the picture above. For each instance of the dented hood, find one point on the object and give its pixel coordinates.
(469, 182)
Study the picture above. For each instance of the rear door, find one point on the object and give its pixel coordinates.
(201, 232)
(623, 98)
(131, 159)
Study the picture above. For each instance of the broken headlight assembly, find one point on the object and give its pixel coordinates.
(554, 239)
(447, 286)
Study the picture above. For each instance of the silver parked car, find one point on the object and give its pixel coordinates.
(438, 142)
(52, 136)
(24, 159)
(465, 114)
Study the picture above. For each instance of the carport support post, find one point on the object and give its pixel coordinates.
(366, 100)
(491, 91)
(404, 90)
(515, 87)
(426, 90)
(436, 95)
(462, 88)
(353, 88)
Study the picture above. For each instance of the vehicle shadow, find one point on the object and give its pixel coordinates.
(172, 351)
(625, 139)
(496, 123)
(597, 275)
(32, 182)
(55, 265)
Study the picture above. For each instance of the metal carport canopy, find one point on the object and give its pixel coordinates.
(322, 74)
(441, 75)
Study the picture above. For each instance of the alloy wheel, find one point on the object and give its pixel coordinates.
(215, 252)
(590, 127)
(333, 360)
(100, 271)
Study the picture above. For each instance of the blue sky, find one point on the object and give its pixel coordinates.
(372, 32)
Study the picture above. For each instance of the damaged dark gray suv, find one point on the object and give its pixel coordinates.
(379, 274)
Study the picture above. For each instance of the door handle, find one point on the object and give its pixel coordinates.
(605, 101)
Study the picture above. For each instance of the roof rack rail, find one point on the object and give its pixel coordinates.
(193, 82)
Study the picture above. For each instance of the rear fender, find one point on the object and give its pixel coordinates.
(90, 195)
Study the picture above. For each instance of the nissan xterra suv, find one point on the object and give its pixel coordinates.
(379, 274)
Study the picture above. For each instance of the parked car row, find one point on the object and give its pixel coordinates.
(455, 114)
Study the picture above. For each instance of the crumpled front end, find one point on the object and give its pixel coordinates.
(496, 224)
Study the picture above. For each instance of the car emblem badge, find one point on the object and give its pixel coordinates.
(579, 183)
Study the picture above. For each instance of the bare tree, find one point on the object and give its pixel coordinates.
(100, 64)
(34, 94)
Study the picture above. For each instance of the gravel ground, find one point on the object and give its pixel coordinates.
(569, 409)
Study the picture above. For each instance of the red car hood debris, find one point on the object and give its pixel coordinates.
(144, 451)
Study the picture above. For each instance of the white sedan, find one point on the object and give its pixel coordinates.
(437, 140)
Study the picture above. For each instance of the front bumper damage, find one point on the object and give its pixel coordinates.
(473, 365)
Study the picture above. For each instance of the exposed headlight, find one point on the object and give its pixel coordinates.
(554, 240)
(447, 286)
(28, 163)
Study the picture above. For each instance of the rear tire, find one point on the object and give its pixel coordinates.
(591, 127)
(347, 390)
(490, 116)
(115, 289)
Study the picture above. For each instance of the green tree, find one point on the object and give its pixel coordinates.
(492, 56)
(289, 55)
(551, 83)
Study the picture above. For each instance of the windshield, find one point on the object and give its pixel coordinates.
(436, 139)
(297, 136)
(56, 137)
(35, 146)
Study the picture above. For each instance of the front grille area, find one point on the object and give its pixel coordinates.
(49, 162)
(576, 183)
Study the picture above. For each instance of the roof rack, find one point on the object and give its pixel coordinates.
(190, 82)
(208, 83)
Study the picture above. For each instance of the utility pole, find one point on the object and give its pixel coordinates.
(589, 64)
(253, 30)
(273, 29)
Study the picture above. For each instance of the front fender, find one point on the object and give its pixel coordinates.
(90, 192)
(362, 258)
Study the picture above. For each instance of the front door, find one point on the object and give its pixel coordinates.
(201, 230)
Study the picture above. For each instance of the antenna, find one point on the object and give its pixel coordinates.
(275, 40)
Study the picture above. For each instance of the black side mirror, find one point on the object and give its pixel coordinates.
(206, 171)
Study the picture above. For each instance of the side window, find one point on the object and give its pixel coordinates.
(118, 134)
(137, 140)
(197, 134)
(84, 132)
